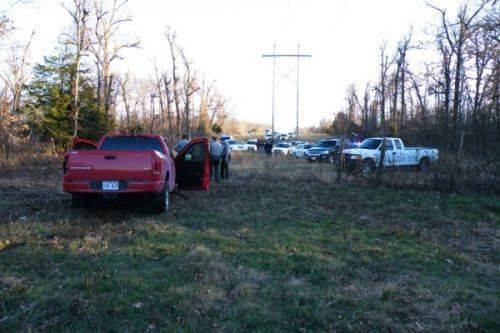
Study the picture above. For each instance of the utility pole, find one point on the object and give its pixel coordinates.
(276, 56)
(274, 89)
(297, 95)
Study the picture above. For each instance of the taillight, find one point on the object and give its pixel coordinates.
(156, 165)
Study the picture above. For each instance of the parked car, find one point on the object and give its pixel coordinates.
(297, 143)
(252, 145)
(300, 149)
(122, 164)
(237, 145)
(326, 150)
(367, 156)
(282, 148)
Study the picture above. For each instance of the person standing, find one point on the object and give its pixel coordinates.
(215, 153)
(225, 159)
(182, 143)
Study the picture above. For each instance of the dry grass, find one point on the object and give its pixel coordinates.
(279, 247)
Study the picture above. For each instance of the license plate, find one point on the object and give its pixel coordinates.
(313, 158)
(110, 186)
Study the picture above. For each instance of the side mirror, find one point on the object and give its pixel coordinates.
(187, 157)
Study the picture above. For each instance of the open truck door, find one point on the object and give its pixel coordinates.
(80, 143)
(192, 166)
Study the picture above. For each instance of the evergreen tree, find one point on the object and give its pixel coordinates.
(49, 105)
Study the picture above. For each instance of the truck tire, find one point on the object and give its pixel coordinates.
(368, 167)
(81, 201)
(424, 165)
(162, 200)
(76, 200)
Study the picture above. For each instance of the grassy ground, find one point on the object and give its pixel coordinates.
(275, 250)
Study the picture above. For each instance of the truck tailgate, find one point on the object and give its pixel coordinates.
(110, 165)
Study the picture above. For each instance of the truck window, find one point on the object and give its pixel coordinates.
(131, 143)
(370, 144)
(398, 144)
(195, 153)
(388, 145)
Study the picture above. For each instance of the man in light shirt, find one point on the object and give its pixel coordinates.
(182, 143)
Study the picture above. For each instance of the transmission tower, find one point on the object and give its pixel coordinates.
(284, 56)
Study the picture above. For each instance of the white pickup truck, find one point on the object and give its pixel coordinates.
(366, 157)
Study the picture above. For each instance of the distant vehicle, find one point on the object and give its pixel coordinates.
(123, 164)
(283, 137)
(226, 137)
(326, 150)
(300, 149)
(252, 145)
(237, 145)
(282, 148)
(367, 156)
(291, 135)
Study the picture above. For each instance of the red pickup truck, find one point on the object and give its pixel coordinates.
(121, 164)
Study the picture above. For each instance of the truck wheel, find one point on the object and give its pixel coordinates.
(76, 200)
(162, 200)
(81, 201)
(88, 201)
(368, 167)
(424, 165)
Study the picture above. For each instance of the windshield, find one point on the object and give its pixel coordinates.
(283, 145)
(370, 144)
(131, 143)
(327, 143)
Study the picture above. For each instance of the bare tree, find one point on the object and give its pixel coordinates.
(384, 68)
(168, 97)
(107, 49)
(456, 34)
(79, 38)
(123, 83)
(190, 87)
(158, 85)
(171, 39)
(14, 78)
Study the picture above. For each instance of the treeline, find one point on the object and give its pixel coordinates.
(77, 92)
(453, 102)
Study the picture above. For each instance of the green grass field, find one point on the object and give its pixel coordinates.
(278, 247)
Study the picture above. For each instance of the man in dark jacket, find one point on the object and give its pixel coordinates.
(225, 159)
(215, 153)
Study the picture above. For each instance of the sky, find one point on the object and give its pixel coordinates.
(225, 40)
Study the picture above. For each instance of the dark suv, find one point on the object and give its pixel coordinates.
(326, 150)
